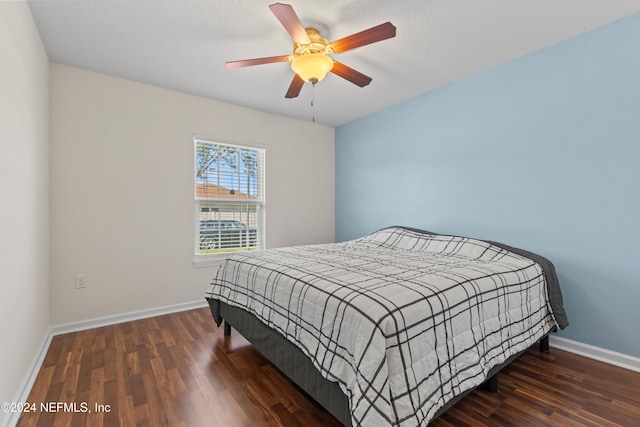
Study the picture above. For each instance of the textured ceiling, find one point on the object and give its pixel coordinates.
(183, 45)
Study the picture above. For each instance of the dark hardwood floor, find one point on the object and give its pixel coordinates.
(179, 370)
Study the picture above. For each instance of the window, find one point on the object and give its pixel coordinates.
(229, 198)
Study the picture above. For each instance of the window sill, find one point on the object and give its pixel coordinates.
(203, 261)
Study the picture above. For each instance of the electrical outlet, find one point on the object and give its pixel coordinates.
(81, 281)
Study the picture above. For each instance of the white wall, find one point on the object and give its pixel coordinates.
(122, 189)
(24, 194)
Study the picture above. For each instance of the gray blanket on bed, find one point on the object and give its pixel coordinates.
(402, 319)
(549, 270)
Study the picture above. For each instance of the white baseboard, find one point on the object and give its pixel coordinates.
(597, 353)
(97, 322)
(11, 419)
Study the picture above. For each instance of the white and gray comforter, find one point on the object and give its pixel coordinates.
(404, 320)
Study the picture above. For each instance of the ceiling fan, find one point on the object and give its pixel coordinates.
(311, 59)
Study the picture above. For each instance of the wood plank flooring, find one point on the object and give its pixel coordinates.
(179, 370)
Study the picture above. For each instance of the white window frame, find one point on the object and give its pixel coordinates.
(210, 259)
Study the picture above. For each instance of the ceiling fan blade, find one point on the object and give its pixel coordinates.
(348, 73)
(290, 21)
(256, 61)
(363, 38)
(295, 87)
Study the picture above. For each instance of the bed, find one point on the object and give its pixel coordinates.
(392, 328)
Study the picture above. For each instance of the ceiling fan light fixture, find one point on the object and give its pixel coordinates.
(311, 59)
(312, 67)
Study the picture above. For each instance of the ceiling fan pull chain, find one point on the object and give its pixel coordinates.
(313, 107)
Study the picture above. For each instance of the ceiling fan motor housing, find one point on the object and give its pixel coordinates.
(312, 61)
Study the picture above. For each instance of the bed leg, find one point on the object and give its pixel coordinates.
(227, 329)
(491, 385)
(544, 344)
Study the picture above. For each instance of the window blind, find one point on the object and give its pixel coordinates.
(229, 198)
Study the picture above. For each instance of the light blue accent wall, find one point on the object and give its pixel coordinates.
(542, 152)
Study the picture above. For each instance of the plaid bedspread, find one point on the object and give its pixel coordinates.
(404, 320)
